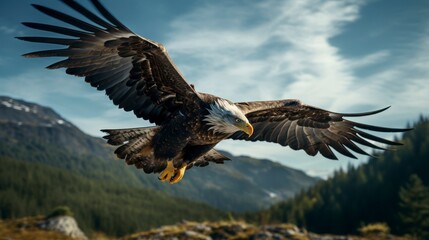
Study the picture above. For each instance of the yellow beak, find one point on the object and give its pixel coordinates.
(248, 129)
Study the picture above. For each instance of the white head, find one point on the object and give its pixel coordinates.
(226, 117)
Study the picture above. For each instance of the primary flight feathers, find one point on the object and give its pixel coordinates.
(137, 74)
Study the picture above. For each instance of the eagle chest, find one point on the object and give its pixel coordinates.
(204, 136)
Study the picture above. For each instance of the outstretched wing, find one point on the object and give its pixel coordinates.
(136, 73)
(299, 126)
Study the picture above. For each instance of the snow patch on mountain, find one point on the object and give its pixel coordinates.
(17, 106)
(37, 115)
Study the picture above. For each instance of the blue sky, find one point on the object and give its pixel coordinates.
(344, 56)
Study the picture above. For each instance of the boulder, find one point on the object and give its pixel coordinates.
(64, 224)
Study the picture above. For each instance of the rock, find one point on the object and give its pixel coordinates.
(261, 236)
(202, 228)
(64, 224)
(233, 228)
(286, 230)
(313, 236)
(194, 235)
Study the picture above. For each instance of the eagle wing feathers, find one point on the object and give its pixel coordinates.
(136, 73)
(291, 123)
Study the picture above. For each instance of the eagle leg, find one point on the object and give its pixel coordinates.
(168, 172)
(179, 173)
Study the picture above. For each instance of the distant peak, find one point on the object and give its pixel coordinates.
(11, 103)
(27, 113)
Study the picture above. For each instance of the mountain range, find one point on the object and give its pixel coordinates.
(36, 137)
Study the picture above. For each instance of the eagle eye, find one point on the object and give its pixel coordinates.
(238, 120)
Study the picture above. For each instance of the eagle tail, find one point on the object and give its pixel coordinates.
(135, 147)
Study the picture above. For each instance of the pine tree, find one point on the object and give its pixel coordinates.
(414, 207)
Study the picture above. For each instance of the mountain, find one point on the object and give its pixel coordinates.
(33, 133)
(392, 187)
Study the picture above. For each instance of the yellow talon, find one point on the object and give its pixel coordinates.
(180, 172)
(168, 172)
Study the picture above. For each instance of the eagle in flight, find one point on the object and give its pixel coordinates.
(138, 75)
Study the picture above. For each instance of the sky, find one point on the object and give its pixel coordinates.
(343, 56)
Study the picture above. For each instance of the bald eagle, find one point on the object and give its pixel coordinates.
(138, 75)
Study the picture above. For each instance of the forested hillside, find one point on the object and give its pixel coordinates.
(28, 189)
(382, 190)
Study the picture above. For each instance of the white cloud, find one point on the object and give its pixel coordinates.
(10, 30)
(286, 54)
(403, 84)
(374, 58)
